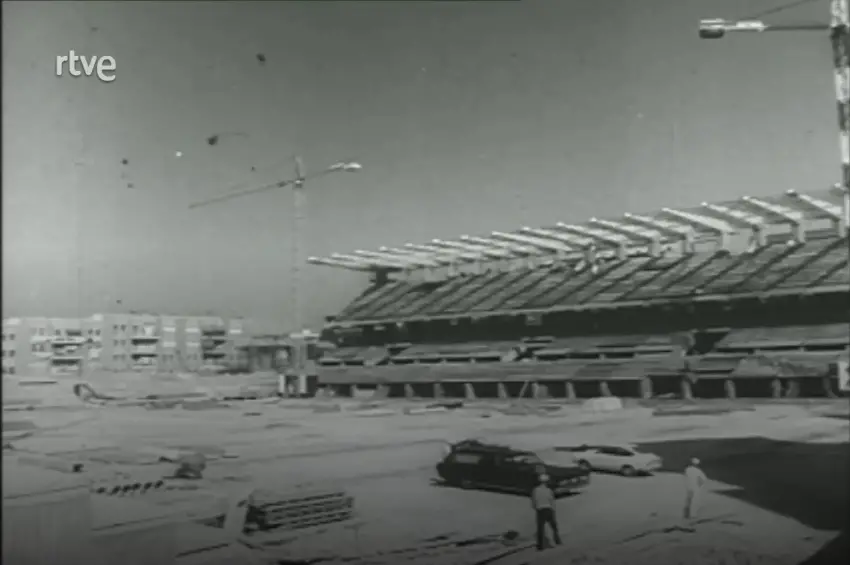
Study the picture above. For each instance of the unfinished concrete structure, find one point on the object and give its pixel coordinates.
(742, 298)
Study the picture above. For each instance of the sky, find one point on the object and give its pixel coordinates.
(468, 117)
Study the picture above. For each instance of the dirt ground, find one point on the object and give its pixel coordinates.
(778, 476)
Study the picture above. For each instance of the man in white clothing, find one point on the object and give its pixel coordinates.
(695, 481)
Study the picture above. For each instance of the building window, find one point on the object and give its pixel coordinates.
(11, 337)
(96, 332)
(123, 327)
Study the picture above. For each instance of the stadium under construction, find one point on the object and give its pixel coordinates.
(747, 298)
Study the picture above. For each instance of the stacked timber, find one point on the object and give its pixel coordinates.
(300, 510)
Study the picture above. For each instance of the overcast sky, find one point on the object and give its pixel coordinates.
(467, 116)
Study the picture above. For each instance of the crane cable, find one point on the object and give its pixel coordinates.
(780, 8)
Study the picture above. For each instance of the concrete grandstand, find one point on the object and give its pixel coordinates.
(746, 298)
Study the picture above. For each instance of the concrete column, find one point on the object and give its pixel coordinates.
(408, 391)
(793, 389)
(776, 388)
(827, 387)
(438, 390)
(539, 390)
(571, 390)
(502, 391)
(646, 388)
(469, 391)
(687, 388)
(729, 388)
(604, 389)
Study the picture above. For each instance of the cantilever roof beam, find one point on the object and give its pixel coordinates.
(571, 240)
(487, 251)
(713, 225)
(734, 217)
(411, 260)
(782, 213)
(375, 262)
(351, 265)
(514, 248)
(672, 229)
(631, 232)
(537, 242)
(453, 256)
(820, 207)
(425, 259)
(616, 240)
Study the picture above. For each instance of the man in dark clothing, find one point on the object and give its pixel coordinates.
(543, 502)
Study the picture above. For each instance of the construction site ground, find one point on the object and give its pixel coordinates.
(778, 474)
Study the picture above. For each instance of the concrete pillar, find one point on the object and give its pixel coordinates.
(604, 389)
(729, 388)
(793, 388)
(571, 390)
(408, 391)
(438, 390)
(687, 388)
(827, 387)
(539, 390)
(646, 388)
(468, 391)
(502, 391)
(776, 388)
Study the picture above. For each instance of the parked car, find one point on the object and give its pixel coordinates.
(475, 464)
(624, 459)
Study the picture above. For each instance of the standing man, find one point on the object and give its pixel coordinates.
(695, 481)
(543, 502)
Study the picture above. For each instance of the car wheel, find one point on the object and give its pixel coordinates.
(584, 465)
(465, 484)
(628, 471)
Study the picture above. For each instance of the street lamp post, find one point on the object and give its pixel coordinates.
(839, 34)
(299, 202)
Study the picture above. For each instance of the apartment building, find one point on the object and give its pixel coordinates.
(119, 342)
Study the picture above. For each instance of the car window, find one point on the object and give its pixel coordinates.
(524, 459)
(466, 458)
(618, 451)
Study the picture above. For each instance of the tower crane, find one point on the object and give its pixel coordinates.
(297, 185)
(839, 34)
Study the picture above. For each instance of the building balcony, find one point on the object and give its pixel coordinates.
(144, 352)
(137, 338)
(68, 340)
(67, 357)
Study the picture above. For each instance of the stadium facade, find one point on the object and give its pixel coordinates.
(745, 298)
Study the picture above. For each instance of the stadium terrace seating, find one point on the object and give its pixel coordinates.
(354, 356)
(613, 347)
(822, 337)
(457, 352)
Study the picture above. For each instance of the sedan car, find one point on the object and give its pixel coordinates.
(624, 459)
(481, 465)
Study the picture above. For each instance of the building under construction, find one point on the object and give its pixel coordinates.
(743, 298)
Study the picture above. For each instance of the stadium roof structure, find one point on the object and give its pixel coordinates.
(623, 235)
